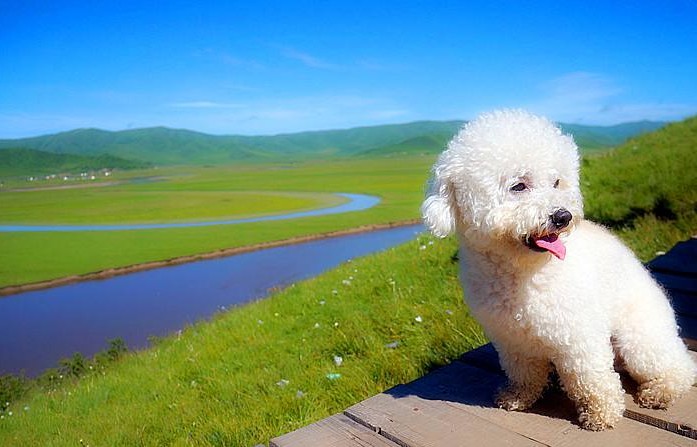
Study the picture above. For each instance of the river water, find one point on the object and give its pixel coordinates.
(41, 327)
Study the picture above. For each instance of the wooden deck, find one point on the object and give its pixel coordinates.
(452, 406)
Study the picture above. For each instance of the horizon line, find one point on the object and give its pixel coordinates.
(332, 129)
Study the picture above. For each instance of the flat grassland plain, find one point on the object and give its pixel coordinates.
(263, 369)
(194, 194)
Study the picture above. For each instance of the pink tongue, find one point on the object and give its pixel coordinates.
(552, 244)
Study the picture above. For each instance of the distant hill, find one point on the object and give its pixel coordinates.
(589, 138)
(160, 145)
(22, 161)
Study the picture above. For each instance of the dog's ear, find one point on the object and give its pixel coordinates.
(437, 210)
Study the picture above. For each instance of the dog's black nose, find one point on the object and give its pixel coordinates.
(561, 218)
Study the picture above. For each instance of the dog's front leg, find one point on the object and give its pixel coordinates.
(527, 379)
(592, 383)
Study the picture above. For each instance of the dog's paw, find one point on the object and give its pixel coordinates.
(514, 399)
(656, 394)
(596, 421)
(599, 415)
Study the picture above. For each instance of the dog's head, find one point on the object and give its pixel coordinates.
(507, 176)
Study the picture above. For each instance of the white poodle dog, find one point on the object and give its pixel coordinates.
(551, 289)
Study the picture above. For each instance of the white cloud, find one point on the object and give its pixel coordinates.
(575, 96)
(593, 98)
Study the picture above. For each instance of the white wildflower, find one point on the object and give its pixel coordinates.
(418, 319)
(338, 360)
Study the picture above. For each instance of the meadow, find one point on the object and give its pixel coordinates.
(197, 194)
(266, 368)
(257, 371)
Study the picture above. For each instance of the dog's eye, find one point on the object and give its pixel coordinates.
(518, 187)
(556, 184)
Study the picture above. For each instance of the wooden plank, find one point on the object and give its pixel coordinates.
(415, 422)
(454, 406)
(335, 431)
(680, 418)
(681, 258)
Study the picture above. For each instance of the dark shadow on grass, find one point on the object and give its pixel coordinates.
(662, 208)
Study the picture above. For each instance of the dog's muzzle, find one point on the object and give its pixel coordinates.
(549, 240)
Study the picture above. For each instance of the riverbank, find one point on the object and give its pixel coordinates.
(111, 272)
(258, 370)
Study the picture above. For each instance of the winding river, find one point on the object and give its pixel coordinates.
(41, 327)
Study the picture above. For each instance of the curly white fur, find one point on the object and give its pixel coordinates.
(498, 185)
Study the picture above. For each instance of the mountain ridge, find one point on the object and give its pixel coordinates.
(170, 146)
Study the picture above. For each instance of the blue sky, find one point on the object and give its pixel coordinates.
(266, 67)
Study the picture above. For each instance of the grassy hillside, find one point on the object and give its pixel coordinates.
(260, 370)
(175, 146)
(646, 189)
(423, 144)
(22, 161)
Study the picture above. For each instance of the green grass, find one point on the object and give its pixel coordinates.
(121, 206)
(197, 193)
(646, 190)
(223, 382)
